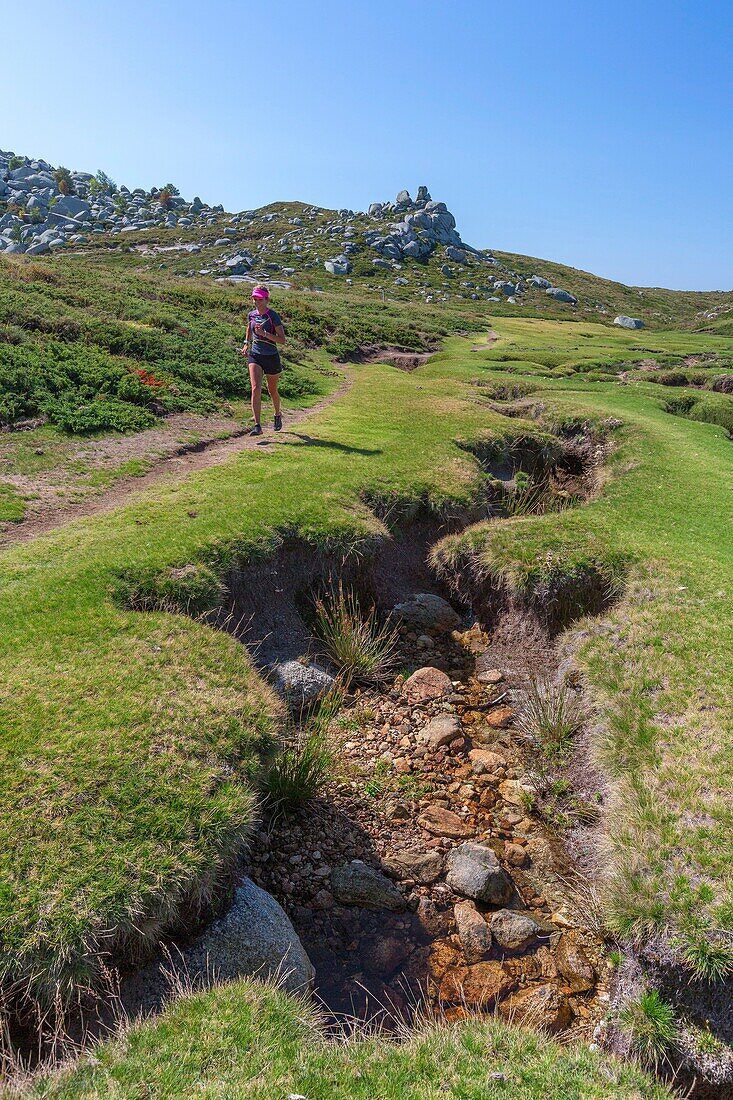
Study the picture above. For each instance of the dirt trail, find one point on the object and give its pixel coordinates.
(186, 460)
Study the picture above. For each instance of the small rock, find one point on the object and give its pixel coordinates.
(479, 986)
(357, 883)
(423, 867)
(516, 855)
(474, 871)
(499, 717)
(473, 931)
(442, 822)
(427, 684)
(440, 731)
(490, 676)
(484, 760)
(514, 930)
(517, 792)
(539, 1006)
(300, 684)
(573, 964)
(431, 919)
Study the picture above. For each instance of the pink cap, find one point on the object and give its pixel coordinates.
(260, 292)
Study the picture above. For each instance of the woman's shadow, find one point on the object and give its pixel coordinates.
(330, 444)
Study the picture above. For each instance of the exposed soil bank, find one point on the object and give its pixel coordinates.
(395, 357)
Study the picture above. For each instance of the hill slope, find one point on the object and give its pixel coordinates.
(410, 248)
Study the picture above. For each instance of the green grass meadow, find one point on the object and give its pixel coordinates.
(132, 740)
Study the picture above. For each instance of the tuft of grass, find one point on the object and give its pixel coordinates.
(550, 714)
(651, 1023)
(708, 956)
(535, 497)
(361, 648)
(302, 767)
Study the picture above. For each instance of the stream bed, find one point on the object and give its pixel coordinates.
(432, 775)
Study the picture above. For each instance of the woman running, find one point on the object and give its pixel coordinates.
(264, 332)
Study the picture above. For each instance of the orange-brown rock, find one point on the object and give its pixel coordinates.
(480, 986)
(442, 956)
(441, 822)
(484, 760)
(573, 964)
(540, 1006)
(499, 717)
(426, 684)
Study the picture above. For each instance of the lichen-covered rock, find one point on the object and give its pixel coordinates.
(475, 872)
(513, 929)
(357, 883)
(255, 938)
(300, 684)
(561, 295)
(628, 322)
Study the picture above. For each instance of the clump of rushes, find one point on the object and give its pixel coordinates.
(651, 1024)
(304, 764)
(551, 714)
(709, 958)
(361, 648)
(535, 497)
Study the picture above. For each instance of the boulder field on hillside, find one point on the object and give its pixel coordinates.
(43, 209)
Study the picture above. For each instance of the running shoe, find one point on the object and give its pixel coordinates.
(278, 423)
(257, 430)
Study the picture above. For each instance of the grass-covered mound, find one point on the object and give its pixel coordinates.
(250, 1041)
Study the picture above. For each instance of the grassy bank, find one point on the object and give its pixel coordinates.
(248, 1041)
(659, 665)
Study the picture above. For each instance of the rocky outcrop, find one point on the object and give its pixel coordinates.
(417, 228)
(628, 322)
(47, 209)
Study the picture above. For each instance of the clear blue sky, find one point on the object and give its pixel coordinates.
(594, 134)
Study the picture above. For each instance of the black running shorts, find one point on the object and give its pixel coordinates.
(270, 362)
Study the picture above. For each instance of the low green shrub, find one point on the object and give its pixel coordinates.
(105, 414)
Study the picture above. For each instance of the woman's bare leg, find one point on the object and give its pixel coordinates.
(255, 377)
(272, 382)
